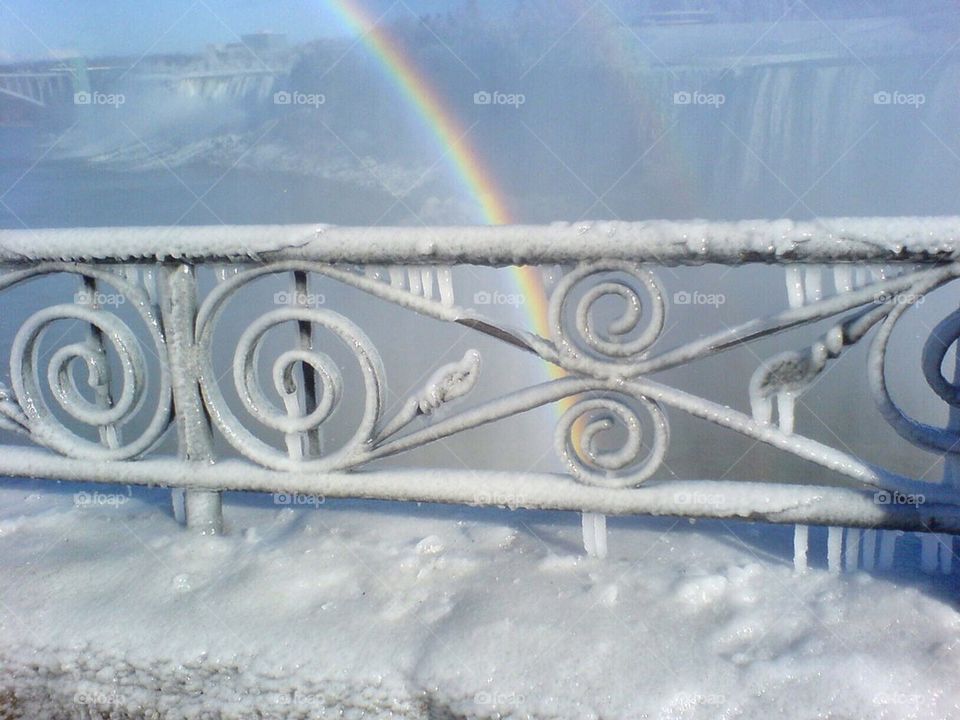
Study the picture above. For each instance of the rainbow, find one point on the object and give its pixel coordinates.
(452, 137)
(449, 133)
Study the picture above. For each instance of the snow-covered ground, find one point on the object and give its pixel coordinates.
(359, 609)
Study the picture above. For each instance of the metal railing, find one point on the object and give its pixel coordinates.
(610, 373)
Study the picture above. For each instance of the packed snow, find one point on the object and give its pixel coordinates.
(309, 607)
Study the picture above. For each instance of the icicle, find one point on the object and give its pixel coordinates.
(801, 544)
(426, 279)
(843, 278)
(445, 283)
(373, 272)
(813, 281)
(852, 557)
(150, 284)
(413, 277)
(132, 274)
(600, 535)
(888, 544)
(929, 549)
(396, 276)
(220, 272)
(795, 293)
(761, 407)
(878, 274)
(834, 548)
(589, 533)
(786, 401)
(179, 511)
(861, 277)
(946, 553)
(869, 549)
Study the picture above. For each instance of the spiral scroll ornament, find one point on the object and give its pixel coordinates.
(290, 418)
(48, 427)
(627, 467)
(608, 350)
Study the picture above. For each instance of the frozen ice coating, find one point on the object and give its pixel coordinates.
(877, 240)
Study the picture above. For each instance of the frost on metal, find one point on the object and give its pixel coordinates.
(914, 239)
(610, 379)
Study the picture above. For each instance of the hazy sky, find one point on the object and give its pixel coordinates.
(35, 28)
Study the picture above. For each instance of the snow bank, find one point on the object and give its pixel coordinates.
(914, 239)
(353, 609)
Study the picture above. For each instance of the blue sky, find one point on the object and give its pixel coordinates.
(34, 28)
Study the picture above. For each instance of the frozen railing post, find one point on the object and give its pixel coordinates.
(179, 314)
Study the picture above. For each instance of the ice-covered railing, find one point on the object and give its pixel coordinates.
(610, 372)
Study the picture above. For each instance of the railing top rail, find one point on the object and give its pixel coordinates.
(690, 242)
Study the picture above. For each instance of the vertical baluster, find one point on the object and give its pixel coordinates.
(89, 296)
(951, 472)
(203, 508)
(301, 289)
(762, 408)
